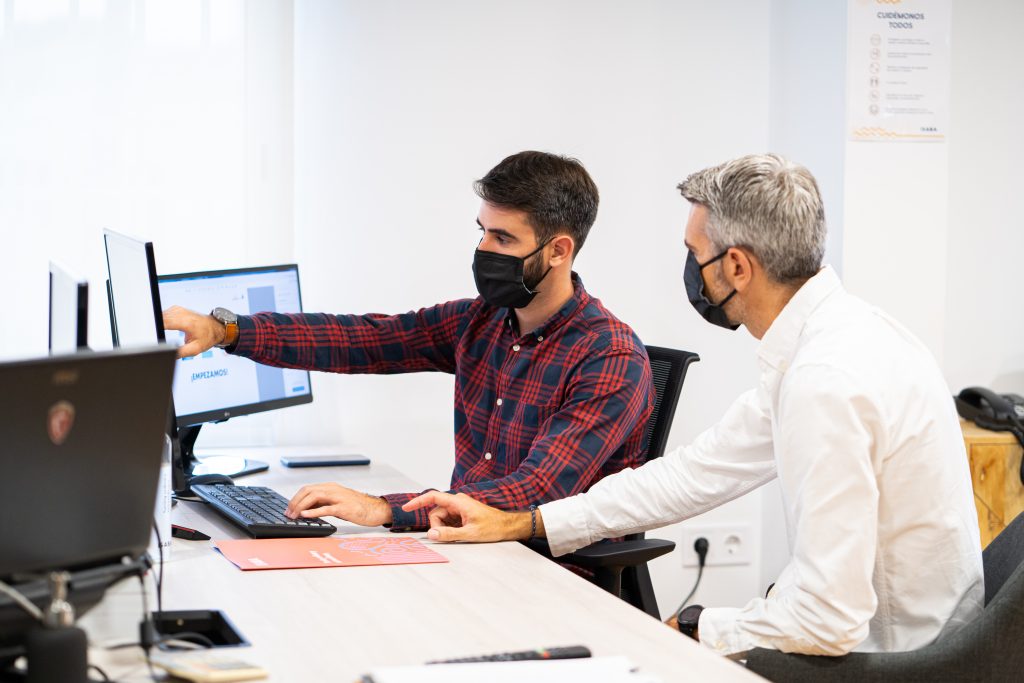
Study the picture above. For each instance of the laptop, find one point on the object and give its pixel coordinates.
(80, 445)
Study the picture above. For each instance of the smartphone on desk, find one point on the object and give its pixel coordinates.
(324, 460)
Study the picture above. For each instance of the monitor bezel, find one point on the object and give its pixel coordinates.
(154, 289)
(81, 306)
(223, 414)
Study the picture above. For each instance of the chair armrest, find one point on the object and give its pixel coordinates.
(610, 554)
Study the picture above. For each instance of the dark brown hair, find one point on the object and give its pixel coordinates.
(556, 193)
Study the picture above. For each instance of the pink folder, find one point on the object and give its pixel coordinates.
(333, 551)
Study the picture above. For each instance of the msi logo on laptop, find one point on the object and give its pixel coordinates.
(60, 421)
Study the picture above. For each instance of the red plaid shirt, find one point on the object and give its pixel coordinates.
(538, 416)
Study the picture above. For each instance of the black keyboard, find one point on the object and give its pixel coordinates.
(259, 511)
(570, 652)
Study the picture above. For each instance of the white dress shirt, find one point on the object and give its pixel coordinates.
(855, 419)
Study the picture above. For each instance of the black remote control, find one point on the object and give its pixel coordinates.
(570, 652)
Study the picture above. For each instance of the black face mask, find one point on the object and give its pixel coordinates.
(499, 278)
(713, 313)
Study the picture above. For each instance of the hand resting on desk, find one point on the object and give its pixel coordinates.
(461, 518)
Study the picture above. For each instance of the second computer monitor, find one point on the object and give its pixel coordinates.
(215, 385)
(69, 310)
(135, 316)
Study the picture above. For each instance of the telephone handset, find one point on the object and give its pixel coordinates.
(998, 412)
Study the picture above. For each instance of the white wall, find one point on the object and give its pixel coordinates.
(400, 106)
(983, 328)
(132, 115)
(933, 232)
(166, 119)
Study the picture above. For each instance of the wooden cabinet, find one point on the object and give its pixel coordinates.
(995, 459)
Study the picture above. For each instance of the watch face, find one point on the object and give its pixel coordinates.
(690, 616)
(224, 315)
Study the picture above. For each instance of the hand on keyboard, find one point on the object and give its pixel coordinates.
(259, 511)
(317, 500)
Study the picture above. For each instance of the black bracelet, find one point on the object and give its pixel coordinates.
(533, 522)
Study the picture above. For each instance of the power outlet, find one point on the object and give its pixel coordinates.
(728, 544)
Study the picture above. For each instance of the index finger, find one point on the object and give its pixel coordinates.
(428, 498)
(172, 317)
(193, 348)
(299, 495)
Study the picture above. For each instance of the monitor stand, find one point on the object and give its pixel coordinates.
(230, 465)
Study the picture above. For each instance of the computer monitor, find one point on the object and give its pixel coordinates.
(136, 314)
(215, 385)
(69, 310)
(136, 318)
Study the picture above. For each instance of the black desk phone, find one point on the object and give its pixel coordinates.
(998, 412)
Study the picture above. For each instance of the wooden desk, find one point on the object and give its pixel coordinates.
(995, 459)
(336, 624)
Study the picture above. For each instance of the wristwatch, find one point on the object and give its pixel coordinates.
(688, 619)
(230, 322)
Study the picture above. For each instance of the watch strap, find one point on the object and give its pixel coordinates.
(230, 322)
(688, 620)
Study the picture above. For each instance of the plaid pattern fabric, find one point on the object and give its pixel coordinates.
(538, 416)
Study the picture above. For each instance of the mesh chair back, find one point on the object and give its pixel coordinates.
(668, 369)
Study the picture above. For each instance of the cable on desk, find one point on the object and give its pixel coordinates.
(146, 627)
(100, 671)
(21, 601)
(700, 546)
(160, 571)
(188, 499)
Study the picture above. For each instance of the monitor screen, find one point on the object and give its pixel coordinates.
(215, 385)
(136, 317)
(69, 310)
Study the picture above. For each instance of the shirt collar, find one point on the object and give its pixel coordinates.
(566, 312)
(779, 343)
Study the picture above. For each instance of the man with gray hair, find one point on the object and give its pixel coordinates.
(851, 414)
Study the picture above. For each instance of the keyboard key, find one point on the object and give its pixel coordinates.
(259, 511)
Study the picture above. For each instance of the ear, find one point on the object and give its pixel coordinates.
(561, 250)
(738, 267)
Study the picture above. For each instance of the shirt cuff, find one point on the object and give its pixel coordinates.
(717, 630)
(248, 333)
(401, 520)
(565, 525)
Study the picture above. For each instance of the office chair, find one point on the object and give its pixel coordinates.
(987, 649)
(620, 567)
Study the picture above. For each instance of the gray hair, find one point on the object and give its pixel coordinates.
(768, 205)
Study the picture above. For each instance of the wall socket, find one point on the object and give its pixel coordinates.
(728, 544)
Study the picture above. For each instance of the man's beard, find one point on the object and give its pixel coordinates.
(534, 271)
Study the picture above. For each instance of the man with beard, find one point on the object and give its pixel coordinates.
(552, 392)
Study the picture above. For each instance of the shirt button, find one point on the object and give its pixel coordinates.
(540, 337)
(487, 456)
(499, 401)
(515, 347)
